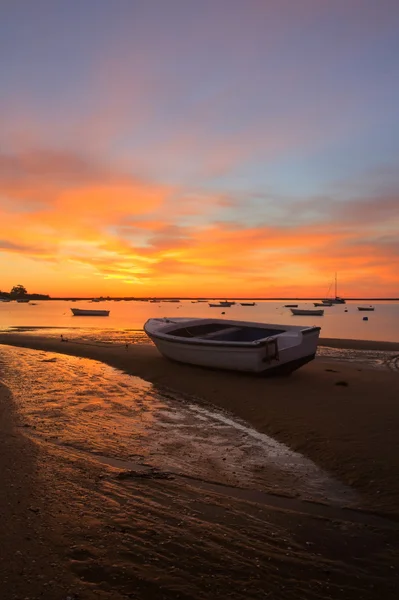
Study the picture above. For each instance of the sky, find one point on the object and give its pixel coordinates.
(214, 148)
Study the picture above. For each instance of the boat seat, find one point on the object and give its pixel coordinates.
(244, 333)
(217, 334)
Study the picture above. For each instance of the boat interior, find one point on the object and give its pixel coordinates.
(225, 332)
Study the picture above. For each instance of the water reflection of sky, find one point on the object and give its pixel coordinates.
(382, 324)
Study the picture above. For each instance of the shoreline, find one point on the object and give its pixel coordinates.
(338, 343)
(94, 534)
(46, 298)
(342, 416)
(351, 344)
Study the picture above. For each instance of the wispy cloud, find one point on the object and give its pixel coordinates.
(130, 230)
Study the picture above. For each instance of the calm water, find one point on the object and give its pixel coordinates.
(382, 324)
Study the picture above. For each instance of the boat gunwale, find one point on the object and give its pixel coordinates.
(195, 341)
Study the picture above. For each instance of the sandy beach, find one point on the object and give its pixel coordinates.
(154, 537)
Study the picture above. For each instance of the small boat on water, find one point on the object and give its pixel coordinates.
(22, 301)
(234, 345)
(248, 303)
(290, 305)
(221, 304)
(307, 312)
(84, 312)
(337, 299)
(324, 303)
(369, 308)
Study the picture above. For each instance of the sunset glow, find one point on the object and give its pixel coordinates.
(206, 149)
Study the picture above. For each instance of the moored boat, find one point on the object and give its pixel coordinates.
(83, 312)
(307, 311)
(324, 303)
(224, 304)
(248, 303)
(290, 305)
(331, 301)
(337, 299)
(369, 308)
(234, 345)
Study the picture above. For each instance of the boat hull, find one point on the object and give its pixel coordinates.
(80, 312)
(334, 301)
(221, 305)
(307, 313)
(276, 370)
(277, 354)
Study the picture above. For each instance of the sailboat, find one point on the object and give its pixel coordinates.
(337, 299)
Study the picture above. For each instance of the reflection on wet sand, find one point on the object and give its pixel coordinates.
(192, 515)
(89, 406)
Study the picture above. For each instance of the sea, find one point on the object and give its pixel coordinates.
(126, 319)
(343, 321)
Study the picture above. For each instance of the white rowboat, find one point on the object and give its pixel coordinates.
(308, 311)
(223, 304)
(234, 345)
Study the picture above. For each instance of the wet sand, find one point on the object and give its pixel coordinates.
(94, 535)
(30, 564)
(359, 344)
(344, 417)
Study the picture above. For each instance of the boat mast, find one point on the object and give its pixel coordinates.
(336, 295)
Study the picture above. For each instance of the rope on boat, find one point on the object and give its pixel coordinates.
(275, 355)
(166, 320)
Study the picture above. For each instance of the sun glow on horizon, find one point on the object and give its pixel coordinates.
(149, 164)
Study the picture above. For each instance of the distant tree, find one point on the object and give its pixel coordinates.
(18, 291)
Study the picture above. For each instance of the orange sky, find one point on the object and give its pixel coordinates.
(250, 155)
(111, 234)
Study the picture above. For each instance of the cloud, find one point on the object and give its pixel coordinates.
(117, 228)
(11, 246)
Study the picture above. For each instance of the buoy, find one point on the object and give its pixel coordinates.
(223, 313)
(365, 318)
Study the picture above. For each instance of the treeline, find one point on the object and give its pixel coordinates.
(19, 292)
